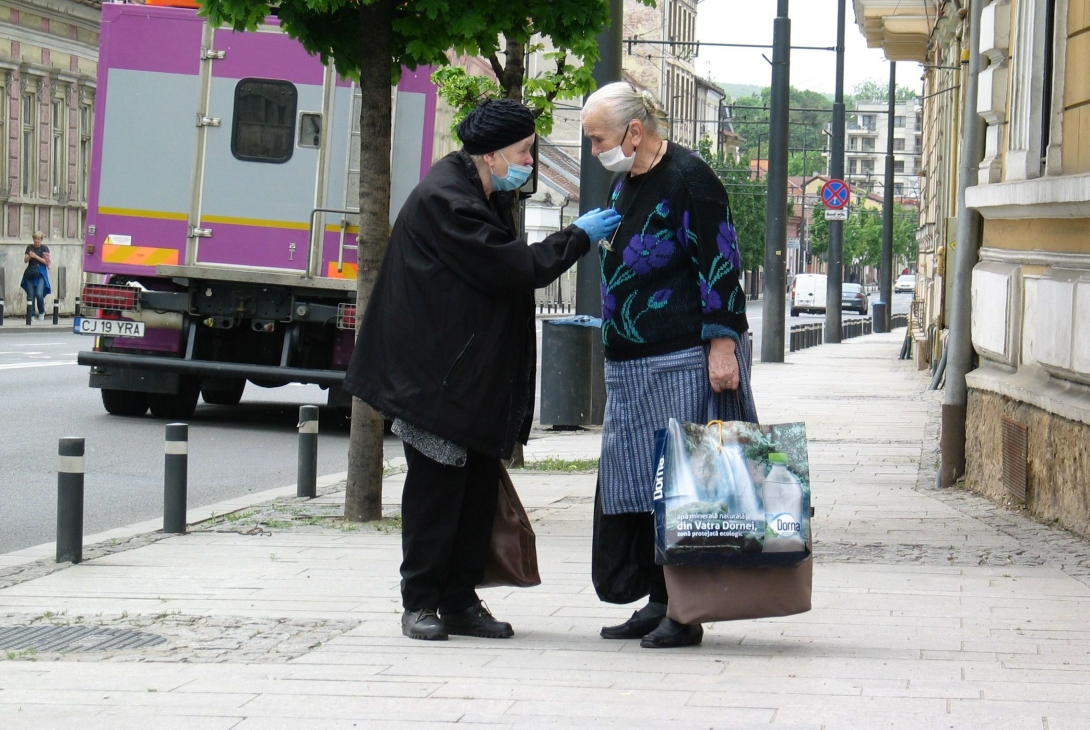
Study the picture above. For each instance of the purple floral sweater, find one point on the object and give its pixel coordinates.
(670, 274)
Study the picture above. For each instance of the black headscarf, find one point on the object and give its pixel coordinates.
(495, 124)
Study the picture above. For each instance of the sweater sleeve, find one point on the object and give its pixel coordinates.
(713, 241)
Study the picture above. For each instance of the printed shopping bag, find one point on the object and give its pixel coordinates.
(732, 494)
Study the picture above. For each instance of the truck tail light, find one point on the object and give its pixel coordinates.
(110, 296)
(346, 316)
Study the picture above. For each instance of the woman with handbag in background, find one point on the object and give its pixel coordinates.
(447, 351)
(673, 326)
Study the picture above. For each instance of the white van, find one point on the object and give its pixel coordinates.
(808, 294)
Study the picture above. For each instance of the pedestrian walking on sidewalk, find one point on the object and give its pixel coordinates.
(673, 325)
(35, 280)
(447, 350)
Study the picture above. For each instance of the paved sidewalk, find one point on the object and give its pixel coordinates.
(931, 610)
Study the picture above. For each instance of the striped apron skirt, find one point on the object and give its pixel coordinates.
(642, 395)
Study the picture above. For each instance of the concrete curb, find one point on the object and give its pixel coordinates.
(13, 325)
(193, 517)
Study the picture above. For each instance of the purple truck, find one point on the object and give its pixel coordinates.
(222, 213)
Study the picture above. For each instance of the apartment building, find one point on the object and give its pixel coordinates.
(865, 140)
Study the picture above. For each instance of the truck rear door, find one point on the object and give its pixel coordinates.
(260, 152)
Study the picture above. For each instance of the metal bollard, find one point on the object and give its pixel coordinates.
(76, 314)
(175, 478)
(307, 481)
(70, 500)
(1, 312)
(792, 334)
(56, 312)
(29, 310)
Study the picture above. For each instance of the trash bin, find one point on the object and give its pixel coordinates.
(879, 318)
(573, 387)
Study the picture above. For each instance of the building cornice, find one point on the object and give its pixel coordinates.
(1065, 196)
(1032, 384)
(32, 37)
(84, 16)
(1036, 257)
(901, 28)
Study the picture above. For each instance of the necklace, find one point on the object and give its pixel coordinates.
(608, 245)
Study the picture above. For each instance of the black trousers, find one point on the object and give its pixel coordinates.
(447, 514)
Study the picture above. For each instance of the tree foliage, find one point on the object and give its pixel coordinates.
(804, 130)
(569, 56)
(863, 235)
(805, 164)
(873, 91)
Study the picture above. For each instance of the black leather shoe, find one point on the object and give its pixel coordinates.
(640, 625)
(671, 634)
(423, 624)
(477, 620)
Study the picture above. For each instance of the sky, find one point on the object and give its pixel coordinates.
(813, 23)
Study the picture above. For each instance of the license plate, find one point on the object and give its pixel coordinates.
(108, 327)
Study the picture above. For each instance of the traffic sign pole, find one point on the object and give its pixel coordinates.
(835, 279)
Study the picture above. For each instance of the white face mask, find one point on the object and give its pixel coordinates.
(615, 160)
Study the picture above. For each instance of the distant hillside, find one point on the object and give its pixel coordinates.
(738, 90)
(735, 91)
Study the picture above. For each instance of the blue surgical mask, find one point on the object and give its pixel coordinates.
(516, 176)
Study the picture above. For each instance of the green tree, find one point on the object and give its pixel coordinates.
(805, 164)
(863, 235)
(369, 41)
(570, 26)
(874, 91)
(805, 130)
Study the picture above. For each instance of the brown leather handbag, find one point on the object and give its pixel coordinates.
(512, 554)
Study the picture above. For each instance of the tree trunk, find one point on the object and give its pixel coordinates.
(363, 497)
(514, 69)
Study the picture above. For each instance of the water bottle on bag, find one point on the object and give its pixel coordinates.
(783, 501)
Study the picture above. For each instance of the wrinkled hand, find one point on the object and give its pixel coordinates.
(723, 365)
(599, 224)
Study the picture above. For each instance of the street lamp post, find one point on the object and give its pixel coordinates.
(772, 342)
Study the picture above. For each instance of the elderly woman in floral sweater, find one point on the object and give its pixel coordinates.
(674, 324)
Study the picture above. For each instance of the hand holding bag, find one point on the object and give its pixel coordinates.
(512, 553)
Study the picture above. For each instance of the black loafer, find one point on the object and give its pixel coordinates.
(670, 634)
(476, 621)
(642, 623)
(423, 624)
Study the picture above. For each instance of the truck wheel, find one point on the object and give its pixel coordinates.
(224, 397)
(180, 405)
(794, 312)
(124, 402)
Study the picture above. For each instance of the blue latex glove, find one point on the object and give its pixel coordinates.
(599, 224)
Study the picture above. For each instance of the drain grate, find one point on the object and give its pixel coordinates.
(1015, 459)
(74, 638)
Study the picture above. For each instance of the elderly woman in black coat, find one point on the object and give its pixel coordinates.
(447, 350)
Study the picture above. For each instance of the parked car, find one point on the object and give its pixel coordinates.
(853, 298)
(905, 282)
(808, 294)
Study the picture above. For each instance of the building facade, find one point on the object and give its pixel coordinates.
(865, 138)
(660, 59)
(1028, 415)
(48, 63)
